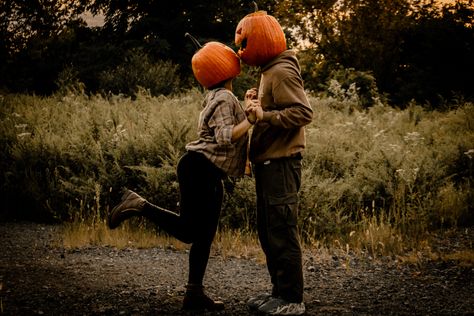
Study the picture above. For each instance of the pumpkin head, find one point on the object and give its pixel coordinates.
(214, 63)
(260, 37)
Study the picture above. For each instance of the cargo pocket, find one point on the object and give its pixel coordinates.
(282, 210)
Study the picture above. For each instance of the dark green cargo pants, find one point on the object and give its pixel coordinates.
(277, 184)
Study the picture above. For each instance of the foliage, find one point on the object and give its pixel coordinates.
(158, 27)
(437, 51)
(399, 166)
(70, 153)
(22, 21)
(138, 71)
(369, 176)
(27, 29)
(358, 86)
(414, 49)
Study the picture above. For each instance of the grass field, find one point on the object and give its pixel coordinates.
(377, 180)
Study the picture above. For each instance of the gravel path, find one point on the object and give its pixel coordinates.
(38, 276)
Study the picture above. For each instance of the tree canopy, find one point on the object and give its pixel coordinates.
(415, 49)
(405, 49)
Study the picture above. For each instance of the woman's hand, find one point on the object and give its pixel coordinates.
(251, 105)
(254, 110)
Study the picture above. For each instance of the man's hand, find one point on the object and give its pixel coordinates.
(251, 94)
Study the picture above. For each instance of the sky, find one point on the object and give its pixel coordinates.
(93, 20)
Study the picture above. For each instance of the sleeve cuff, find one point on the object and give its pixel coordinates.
(272, 117)
(267, 116)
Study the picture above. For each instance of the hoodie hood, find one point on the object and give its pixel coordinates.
(288, 56)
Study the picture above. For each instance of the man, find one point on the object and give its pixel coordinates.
(276, 147)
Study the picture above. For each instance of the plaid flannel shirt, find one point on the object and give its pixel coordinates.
(221, 112)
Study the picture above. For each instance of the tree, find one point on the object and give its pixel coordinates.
(437, 55)
(159, 26)
(26, 29)
(50, 36)
(20, 21)
(359, 34)
(396, 40)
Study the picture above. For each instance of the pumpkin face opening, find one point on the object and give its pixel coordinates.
(243, 44)
(214, 63)
(260, 38)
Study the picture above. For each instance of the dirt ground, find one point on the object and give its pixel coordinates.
(39, 277)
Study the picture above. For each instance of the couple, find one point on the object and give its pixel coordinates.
(278, 111)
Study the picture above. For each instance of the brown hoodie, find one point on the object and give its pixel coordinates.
(286, 110)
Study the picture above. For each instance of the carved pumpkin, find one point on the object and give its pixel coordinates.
(214, 63)
(260, 37)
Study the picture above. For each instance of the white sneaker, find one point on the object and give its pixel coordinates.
(278, 306)
(255, 302)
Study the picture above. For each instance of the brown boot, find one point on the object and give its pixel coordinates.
(130, 205)
(196, 299)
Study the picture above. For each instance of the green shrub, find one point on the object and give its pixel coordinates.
(67, 157)
(409, 166)
(139, 71)
(238, 211)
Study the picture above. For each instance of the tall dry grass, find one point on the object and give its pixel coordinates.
(381, 179)
(375, 181)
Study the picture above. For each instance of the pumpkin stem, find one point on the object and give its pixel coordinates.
(194, 40)
(255, 6)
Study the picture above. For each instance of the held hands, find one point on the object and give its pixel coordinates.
(254, 112)
(251, 94)
(253, 108)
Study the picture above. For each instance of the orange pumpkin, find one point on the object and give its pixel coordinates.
(214, 63)
(260, 37)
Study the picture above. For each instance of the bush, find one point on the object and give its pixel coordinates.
(357, 86)
(139, 71)
(67, 157)
(402, 165)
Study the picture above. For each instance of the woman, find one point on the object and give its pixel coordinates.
(219, 150)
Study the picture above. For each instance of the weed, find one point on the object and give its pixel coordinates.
(375, 180)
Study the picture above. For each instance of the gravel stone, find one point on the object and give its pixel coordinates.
(39, 277)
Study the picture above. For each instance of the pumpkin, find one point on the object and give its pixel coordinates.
(260, 38)
(214, 63)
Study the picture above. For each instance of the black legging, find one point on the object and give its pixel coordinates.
(201, 192)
